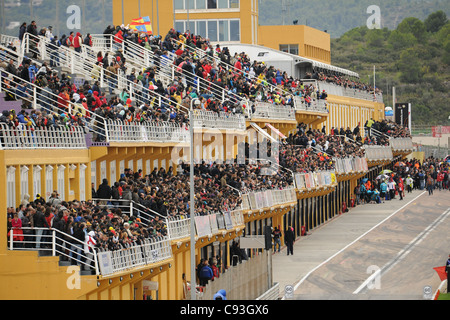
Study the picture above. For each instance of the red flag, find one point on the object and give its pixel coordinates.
(441, 272)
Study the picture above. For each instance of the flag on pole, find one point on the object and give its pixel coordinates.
(441, 272)
(142, 24)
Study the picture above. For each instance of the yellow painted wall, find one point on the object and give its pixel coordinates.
(273, 36)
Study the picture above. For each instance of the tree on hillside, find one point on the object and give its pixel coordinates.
(436, 21)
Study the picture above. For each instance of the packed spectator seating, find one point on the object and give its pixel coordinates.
(165, 193)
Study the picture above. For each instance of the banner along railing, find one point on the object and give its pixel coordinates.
(135, 255)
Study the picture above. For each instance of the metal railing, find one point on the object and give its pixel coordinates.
(24, 137)
(135, 255)
(218, 120)
(133, 209)
(317, 105)
(265, 199)
(401, 144)
(34, 97)
(374, 153)
(331, 88)
(55, 243)
(263, 110)
(148, 131)
(315, 179)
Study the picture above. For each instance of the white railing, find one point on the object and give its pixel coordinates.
(268, 198)
(401, 144)
(24, 137)
(317, 179)
(154, 131)
(315, 105)
(152, 251)
(132, 208)
(54, 242)
(221, 120)
(348, 165)
(331, 88)
(374, 153)
(264, 110)
(205, 225)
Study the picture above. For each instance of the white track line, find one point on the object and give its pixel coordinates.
(404, 252)
(350, 244)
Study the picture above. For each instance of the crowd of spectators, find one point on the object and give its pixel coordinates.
(164, 193)
(405, 176)
(346, 82)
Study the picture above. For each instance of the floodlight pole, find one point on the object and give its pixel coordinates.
(191, 203)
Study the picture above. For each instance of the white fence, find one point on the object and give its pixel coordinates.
(314, 179)
(154, 131)
(268, 198)
(315, 105)
(264, 110)
(374, 153)
(221, 120)
(151, 251)
(344, 165)
(401, 144)
(28, 137)
(207, 225)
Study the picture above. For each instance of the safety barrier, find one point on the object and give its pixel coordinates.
(374, 153)
(218, 120)
(334, 89)
(268, 198)
(354, 164)
(314, 106)
(310, 180)
(30, 137)
(151, 251)
(205, 225)
(155, 131)
(264, 110)
(55, 243)
(401, 144)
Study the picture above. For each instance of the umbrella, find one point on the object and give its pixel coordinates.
(400, 163)
(386, 171)
(382, 176)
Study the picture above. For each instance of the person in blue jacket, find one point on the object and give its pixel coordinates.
(220, 295)
(206, 273)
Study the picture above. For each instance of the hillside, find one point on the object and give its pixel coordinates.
(339, 16)
(415, 58)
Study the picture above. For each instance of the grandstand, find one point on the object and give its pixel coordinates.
(113, 117)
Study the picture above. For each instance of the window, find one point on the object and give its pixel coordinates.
(191, 4)
(200, 4)
(206, 4)
(212, 30)
(212, 4)
(215, 30)
(289, 48)
(201, 28)
(223, 4)
(179, 26)
(235, 33)
(179, 4)
(223, 30)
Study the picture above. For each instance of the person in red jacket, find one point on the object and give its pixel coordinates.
(77, 41)
(63, 100)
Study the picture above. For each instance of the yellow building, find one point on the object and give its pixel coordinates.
(228, 21)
